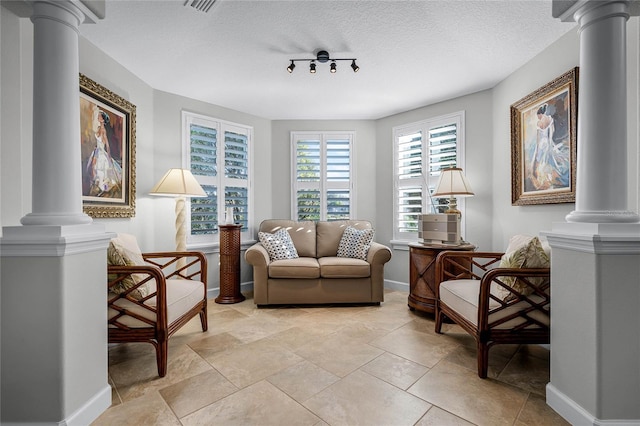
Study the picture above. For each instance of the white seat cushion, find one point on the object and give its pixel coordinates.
(462, 296)
(182, 295)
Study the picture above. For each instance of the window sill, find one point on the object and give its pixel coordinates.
(402, 245)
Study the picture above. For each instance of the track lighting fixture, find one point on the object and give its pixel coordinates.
(323, 56)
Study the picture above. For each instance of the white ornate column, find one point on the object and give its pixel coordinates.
(595, 265)
(53, 361)
(56, 116)
(601, 188)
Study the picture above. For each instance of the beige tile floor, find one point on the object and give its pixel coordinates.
(353, 365)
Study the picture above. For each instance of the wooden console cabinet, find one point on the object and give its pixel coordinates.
(422, 274)
(229, 264)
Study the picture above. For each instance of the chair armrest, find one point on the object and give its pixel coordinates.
(144, 274)
(188, 265)
(530, 277)
(257, 255)
(464, 264)
(378, 254)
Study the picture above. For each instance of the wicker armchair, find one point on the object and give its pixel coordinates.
(175, 289)
(471, 292)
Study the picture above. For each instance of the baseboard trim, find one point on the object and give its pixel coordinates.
(91, 410)
(396, 285)
(575, 414)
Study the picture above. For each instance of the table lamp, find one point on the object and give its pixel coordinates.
(179, 183)
(453, 183)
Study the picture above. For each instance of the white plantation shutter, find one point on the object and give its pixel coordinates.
(421, 151)
(219, 158)
(322, 175)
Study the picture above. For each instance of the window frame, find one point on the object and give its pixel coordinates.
(425, 180)
(220, 181)
(323, 184)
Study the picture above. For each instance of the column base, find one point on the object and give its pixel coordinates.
(602, 217)
(55, 219)
(52, 240)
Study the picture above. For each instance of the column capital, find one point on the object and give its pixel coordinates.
(572, 10)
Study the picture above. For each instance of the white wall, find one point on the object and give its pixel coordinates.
(478, 166)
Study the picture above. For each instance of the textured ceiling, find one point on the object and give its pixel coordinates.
(410, 53)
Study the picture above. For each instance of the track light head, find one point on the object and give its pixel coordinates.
(332, 67)
(312, 67)
(291, 67)
(355, 67)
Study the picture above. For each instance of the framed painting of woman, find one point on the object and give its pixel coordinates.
(543, 143)
(108, 140)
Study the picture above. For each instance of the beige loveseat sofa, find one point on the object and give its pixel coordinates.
(317, 276)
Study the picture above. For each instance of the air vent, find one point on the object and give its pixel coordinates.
(200, 5)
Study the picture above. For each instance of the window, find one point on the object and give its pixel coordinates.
(421, 151)
(322, 176)
(218, 154)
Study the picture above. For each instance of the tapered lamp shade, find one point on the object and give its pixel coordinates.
(179, 183)
(452, 184)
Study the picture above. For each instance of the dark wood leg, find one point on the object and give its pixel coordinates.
(483, 359)
(162, 351)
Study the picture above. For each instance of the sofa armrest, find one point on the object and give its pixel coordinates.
(257, 255)
(379, 254)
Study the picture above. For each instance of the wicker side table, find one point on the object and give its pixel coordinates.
(229, 264)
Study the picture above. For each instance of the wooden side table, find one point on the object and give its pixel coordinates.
(229, 264)
(422, 274)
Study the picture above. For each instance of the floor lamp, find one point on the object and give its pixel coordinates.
(179, 183)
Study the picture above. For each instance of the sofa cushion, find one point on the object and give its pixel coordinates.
(279, 245)
(523, 251)
(462, 296)
(330, 234)
(302, 267)
(123, 250)
(355, 243)
(343, 267)
(182, 295)
(302, 233)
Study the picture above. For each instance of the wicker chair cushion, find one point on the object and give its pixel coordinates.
(462, 297)
(123, 250)
(524, 251)
(182, 295)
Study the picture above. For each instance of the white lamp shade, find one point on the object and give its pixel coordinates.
(452, 182)
(178, 183)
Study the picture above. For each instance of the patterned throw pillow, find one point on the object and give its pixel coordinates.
(124, 251)
(355, 243)
(279, 245)
(523, 252)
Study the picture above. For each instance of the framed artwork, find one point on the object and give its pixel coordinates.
(108, 150)
(543, 143)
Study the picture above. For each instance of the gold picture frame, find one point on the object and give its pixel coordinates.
(543, 143)
(108, 151)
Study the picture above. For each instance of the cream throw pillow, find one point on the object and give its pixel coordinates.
(523, 251)
(124, 251)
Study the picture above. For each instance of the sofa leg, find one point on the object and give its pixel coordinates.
(483, 359)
